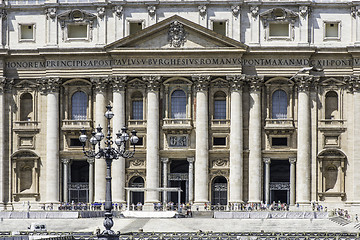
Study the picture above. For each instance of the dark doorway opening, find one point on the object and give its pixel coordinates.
(280, 181)
(219, 191)
(78, 186)
(136, 197)
(179, 177)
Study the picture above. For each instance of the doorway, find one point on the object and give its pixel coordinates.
(136, 197)
(78, 186)
(179, 177)
(280, 181)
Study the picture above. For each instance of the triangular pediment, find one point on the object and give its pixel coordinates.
(176, 33)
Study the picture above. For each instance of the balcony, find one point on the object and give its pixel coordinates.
(76, 125)
(281, 126)
(336, 125)
(137, 124)
(182, 125)
(26, 126)
(220, 123)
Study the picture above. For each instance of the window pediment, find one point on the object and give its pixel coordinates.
(76, 16)
(278, 15)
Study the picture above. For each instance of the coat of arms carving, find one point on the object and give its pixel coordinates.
(177, 34)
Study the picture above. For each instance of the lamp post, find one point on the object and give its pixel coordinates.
(109, 153)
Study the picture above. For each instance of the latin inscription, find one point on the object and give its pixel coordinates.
(178, 141)
(180, 62)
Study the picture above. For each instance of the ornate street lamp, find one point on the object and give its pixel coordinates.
(109, 153)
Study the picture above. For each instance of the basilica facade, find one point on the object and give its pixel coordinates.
(244, 101)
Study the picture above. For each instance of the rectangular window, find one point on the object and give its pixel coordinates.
(75, 142)
(135, 27)
(219, 27)
(77, 31)
(137, 110)
(220, 109)
(219, 141)
(332, 30)
(279, 141)
(27, 32)
(279, 30)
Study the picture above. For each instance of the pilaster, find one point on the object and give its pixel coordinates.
(191, 179)
(3, 176)
(254, 25)
(304, 24)
(236, 22)
(102, 22)
(51, 26)
(65, 179)
(292, 180)
(267, 162)
(165, 162)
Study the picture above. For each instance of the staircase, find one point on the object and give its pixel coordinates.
(340, 220)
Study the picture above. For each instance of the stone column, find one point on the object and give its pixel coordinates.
(66, 179)
(118, 166)
(292, 180)
(91, 179)
(303, 141)
(152, 135)
(267, 162)
(255, 161)
(165, 162)
(52, 164)
(254, 25)
(3, 178)
(51, 26)
(100, 85)
(236, 140)
(202, 140)
(191, 179)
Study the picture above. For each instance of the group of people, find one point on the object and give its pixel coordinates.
(343, 213)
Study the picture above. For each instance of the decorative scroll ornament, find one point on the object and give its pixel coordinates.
(151, 10)
(267, 160)
(220, 163)
(50, 13)
(118, 83)
(235, 10)
(355, 11)
(152, 82)
(236, 82)
(304, 11)
(254, 10)
(118, 10)
(303, 82)
(99, 83)
(49, 84)
(201, 82)
(256, 82)
(177, 34)
(101, 12)
(137, 163)
(202, 10)
(292, 160)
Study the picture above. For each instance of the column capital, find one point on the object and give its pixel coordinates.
(236, 82)
(267, 160)
(304, 83)
(100, 83)
(49, 84)
(152, 82)
(90, 160)
(191, 160)
(165, 160)
(256, 82)
(352, 83)
(65, 161)
(292, 160)
(201, 82)
(118, 83)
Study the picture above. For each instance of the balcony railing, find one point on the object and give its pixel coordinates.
(76, 124)
(220, 122)
(26, 125)
(136, 123)
(169, 123)
(25, 2)
(332, 124)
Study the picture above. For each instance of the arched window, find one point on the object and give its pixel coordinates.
(78, 106)
(178, 104)
(26, 107)
(331, 105)
(219, 105)
(137, 106)
(279, 105)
